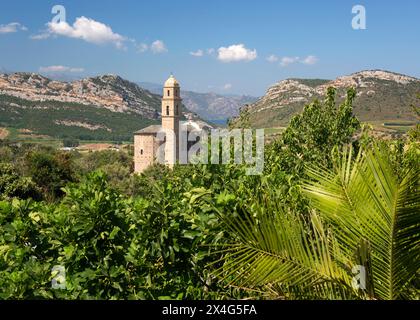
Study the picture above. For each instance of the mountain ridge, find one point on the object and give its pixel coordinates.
(381, 95)
(109, 91)
(208, 105)
(106, 107)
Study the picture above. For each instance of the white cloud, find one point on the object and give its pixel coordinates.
(56, 69)
(40, 36)
(227, 86)
(202, 53)
(235, 53)
(198, 53)
(85, 29)
(77, 70)
(142, 47)
(96, 32)
(12, 27)
(272, 58)
(158, 47)
(285, 61)
(310, 60)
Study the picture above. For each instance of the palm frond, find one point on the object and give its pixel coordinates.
(275, 250)
(365, 216)
(366, 201)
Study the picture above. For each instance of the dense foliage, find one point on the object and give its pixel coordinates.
(366, 217)
(211, 231)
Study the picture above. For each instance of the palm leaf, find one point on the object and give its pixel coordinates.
(365, 200)
(274, 250)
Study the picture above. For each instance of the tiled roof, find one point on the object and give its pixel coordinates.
(150, 129)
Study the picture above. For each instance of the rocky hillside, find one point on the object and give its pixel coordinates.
(105, 107)
(213, 106)
(209, 106)
(381, 96)
(109, 91)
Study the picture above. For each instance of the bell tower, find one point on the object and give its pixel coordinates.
(171, 110)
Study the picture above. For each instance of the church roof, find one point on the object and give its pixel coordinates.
(153, 129)
(194, 125)
(190, 125)
(171, 82)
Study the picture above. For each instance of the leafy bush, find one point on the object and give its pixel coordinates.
(12, 184)
(112, 247)
(50, 172)
(70, 143)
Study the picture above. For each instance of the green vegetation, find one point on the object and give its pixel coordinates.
(399, 124)
(70, 143)
(41, 118)
(312, 82)
(13, 185)
(365, 216)
(332, 197)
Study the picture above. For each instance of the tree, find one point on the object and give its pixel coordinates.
(12, 184)
(414, 133)
(98, 160)
(51, 172)
(312, 137)
(313, 134)
(416, 109)
(365, 217)
(6, 154)
(374, 206)
(70, 143)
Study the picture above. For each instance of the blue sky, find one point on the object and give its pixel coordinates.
(146, 40)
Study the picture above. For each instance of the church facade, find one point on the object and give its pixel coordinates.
(153, 139)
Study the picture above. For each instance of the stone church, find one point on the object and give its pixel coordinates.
(148, 141)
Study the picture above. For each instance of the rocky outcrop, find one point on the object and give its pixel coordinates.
(109, 91)
(381, 95)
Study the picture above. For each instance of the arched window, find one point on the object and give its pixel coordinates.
(141, 151)
(167, 110)
(176, 109)
(176, 92)
(169, 93)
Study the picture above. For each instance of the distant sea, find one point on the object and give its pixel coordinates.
(219, 122)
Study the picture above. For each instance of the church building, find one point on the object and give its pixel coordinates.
(148, 141)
